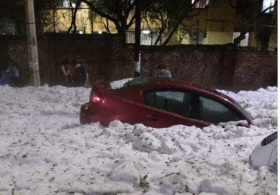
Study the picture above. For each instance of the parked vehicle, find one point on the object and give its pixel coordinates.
(265, 152)
(160, 102)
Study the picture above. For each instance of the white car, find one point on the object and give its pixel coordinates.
(265, 153)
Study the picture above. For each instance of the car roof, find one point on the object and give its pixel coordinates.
(171, 83)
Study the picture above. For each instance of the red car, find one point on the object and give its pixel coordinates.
(160, 102)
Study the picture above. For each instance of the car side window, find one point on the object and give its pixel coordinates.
(215, 112)
(173, 101)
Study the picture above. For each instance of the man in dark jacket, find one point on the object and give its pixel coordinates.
(81, 77)
(4, 78)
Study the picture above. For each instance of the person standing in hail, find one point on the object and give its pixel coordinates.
(81, 77)
(13, 73)
(66, 73)
(163, 72)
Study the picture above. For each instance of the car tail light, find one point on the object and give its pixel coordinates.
(95, 99)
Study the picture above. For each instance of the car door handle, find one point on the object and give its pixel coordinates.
(152, 117)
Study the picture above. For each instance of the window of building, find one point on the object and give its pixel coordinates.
(242, 6)
(200, 3)
(197, 37)
(244, 42)
(145, 39)
(268, 6)
(63, 3)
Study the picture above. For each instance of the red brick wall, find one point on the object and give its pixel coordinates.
(254, 69)
(215, 66)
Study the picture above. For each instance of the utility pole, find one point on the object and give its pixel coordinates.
(124, 22)
(137, 39)
(34, 78)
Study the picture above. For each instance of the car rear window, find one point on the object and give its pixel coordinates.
(137, 81)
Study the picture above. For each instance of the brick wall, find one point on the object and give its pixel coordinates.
(215, 66)
(254, 69)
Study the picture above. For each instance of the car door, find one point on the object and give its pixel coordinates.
(164, 108)
(126, 110)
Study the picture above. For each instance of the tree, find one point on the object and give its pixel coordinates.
(74, 13)
(250, 11)
(120, 12)
(156, 13)
(117, 11)
(168, 17)
(12, 11)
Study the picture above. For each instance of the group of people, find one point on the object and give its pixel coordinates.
(74, 74)
(10, 77)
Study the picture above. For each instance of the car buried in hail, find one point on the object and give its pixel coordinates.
(160, 102)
